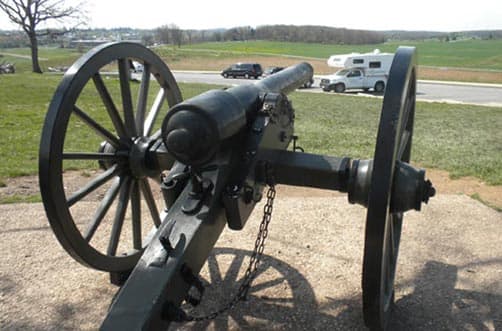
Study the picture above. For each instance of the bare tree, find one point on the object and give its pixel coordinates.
(29, 14)
(163, 34)
(176, 34)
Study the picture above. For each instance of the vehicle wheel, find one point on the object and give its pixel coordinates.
(105, 136)
(383, 226)
(340, 88)
(307, 84)
(379, 87)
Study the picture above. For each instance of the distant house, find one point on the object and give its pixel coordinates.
(85, 43)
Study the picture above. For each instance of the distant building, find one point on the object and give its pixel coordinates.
(86, 43)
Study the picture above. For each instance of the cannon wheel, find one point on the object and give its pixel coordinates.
(72, 138)
(383, 227)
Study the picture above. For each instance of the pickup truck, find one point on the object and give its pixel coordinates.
(354, 78)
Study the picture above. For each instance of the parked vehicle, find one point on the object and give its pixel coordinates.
(271, 70)
(356, 78)
(246, 70)
(361, 71)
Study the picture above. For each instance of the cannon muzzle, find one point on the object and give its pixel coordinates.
(194, 130)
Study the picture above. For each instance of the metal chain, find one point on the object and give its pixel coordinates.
(254, 261)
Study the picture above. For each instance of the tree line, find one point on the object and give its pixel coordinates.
(172, 34)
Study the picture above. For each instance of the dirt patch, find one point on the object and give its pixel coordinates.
(28, 186)
(459, 75)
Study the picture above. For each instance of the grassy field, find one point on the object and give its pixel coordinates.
(48, 57)
(483, 55)
(475, 54)
(464, 140)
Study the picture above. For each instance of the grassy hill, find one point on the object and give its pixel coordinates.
(475, 54)
(470, 60)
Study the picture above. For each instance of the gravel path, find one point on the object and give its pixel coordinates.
(449, 272)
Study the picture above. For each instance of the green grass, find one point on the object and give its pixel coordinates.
(48, 57)
(22, 113)
(21, 199)
(464, 140)
(475, 54)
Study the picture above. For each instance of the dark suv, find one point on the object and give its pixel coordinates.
(246, 70)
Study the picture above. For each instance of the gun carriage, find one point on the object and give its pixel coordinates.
(211, 157)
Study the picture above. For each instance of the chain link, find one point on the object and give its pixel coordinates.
(254, 261)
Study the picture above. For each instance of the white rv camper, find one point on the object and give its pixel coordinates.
(360, 71)
(373, 60)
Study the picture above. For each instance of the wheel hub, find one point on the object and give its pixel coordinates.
(141, 163)
(409, 187)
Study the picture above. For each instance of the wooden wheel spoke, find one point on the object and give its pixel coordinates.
(154, 112)
(125, 90)
(142, 99)
(90, 156)
(150, 201)
(107, 135)
(93, 185)
(407, 126)
(103, 208)
(403, 144)
(136, 215)
(118, 222)
(109, 105)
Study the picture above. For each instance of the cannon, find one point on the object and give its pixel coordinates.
(167, 175)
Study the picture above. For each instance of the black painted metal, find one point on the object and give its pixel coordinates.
(383, 227)
(195, 129)
(304, 169)
(197, 216)
(123, 155)
(156, 281)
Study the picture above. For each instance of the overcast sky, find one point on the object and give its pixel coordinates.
(429, 15)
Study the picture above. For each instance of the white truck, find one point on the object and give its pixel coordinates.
(360, 71)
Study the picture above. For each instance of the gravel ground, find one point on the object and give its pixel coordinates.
(449, 274)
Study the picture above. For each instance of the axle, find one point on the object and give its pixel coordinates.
(343, 174)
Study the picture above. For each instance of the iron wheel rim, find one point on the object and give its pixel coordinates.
(383, 228)
(52, 153)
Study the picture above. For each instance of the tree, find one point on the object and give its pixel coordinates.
(163, 34)
(147, 39)
(29, 14)
(176, 34)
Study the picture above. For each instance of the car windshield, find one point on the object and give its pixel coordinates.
(342, 72)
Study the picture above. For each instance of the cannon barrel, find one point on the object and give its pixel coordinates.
(194, 130)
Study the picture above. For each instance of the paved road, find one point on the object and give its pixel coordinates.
(427, 91)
